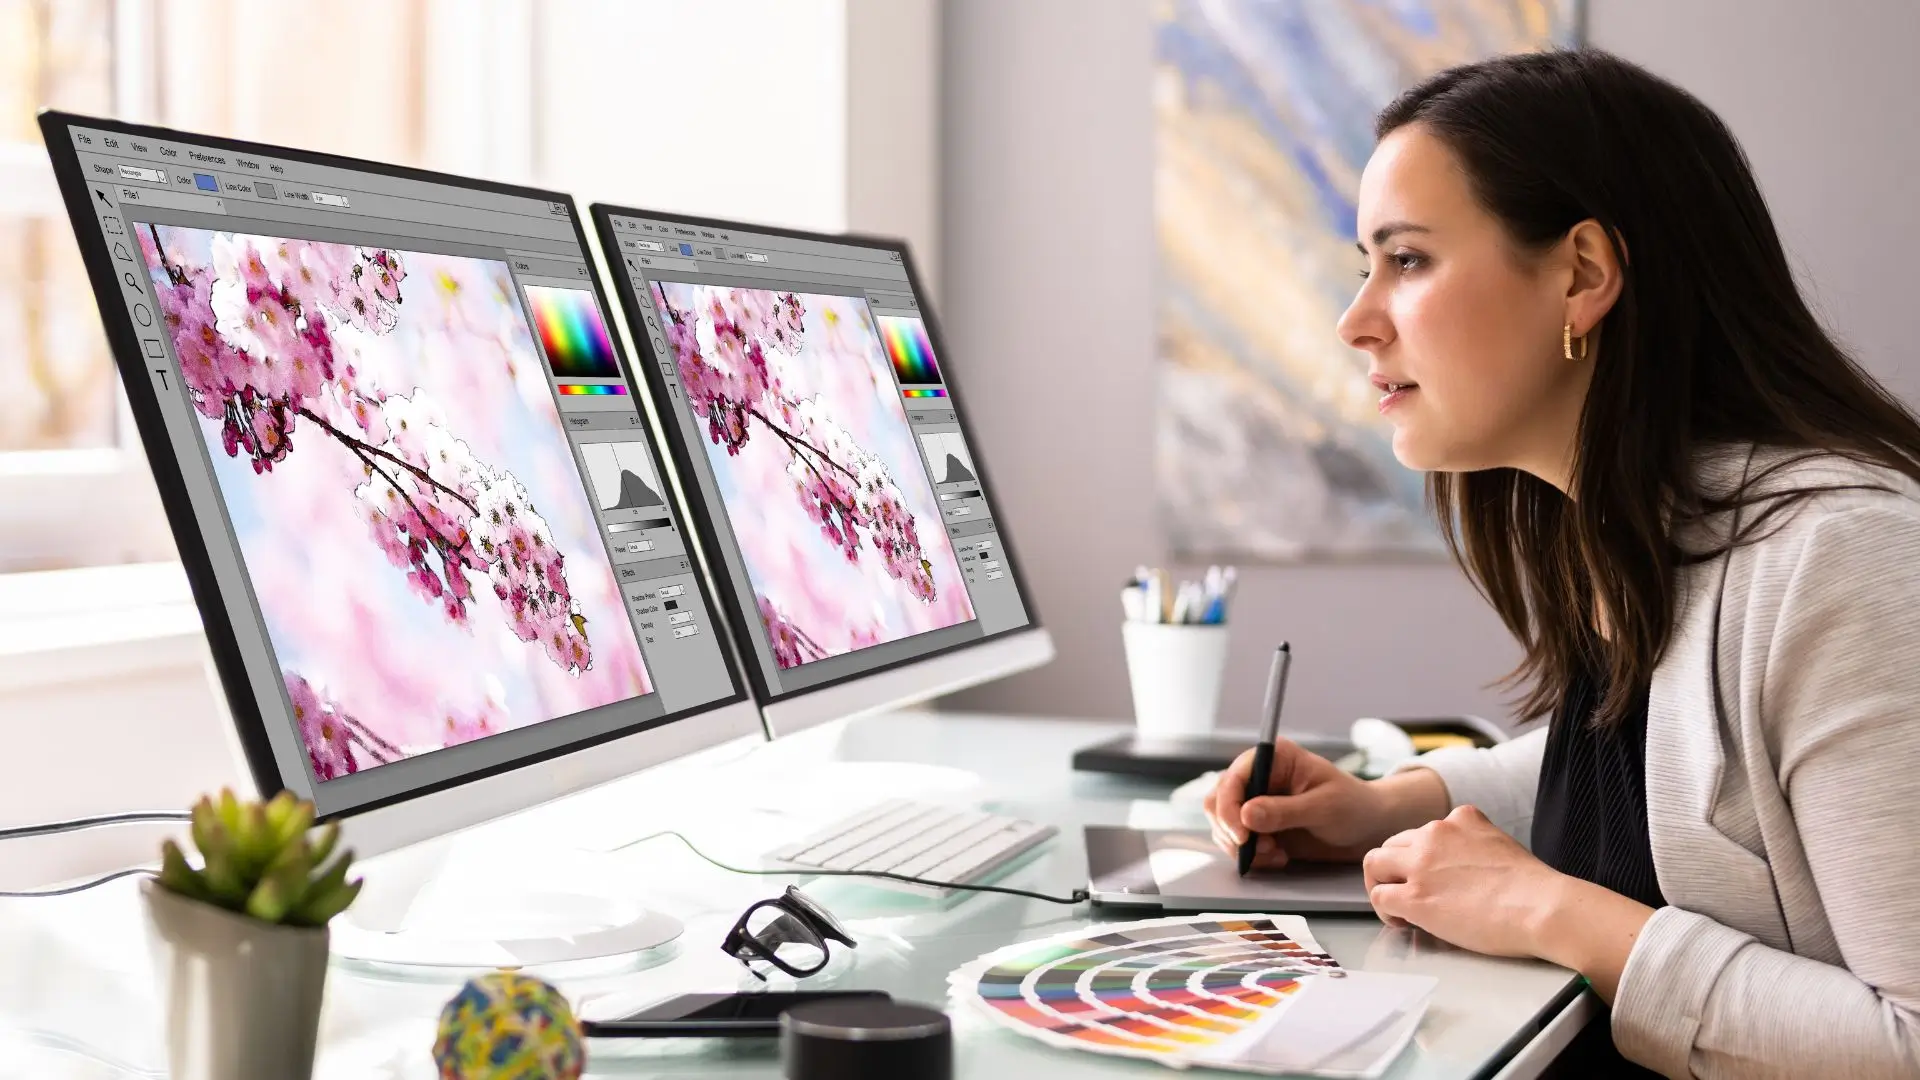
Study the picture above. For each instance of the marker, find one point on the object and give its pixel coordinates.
(1263, 753)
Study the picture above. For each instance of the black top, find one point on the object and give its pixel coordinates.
(1590, 822)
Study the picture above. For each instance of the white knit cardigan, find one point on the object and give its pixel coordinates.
(1786, 840)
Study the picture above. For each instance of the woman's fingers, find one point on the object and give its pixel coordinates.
(1385, 865)
(1270, 854)
(1227, 795)
(1222, 839)
(1389, 901)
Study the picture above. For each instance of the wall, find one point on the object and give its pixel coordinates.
(1047, 157)
(893, 140)
(727, 110)
(811, 114)
(1826, 101)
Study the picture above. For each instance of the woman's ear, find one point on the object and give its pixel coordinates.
(1620, 241)
(1598, 275)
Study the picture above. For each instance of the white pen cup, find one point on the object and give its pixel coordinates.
(1175, 670)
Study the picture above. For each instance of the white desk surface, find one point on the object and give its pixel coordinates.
(78, 1002)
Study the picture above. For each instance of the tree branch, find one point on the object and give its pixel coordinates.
(847, 512)
(369, 448)
(177, 276)
(797, 444)
(445, 563)
(378, 748)
(801, 636)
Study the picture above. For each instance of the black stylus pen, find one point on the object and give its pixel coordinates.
(1263, 753)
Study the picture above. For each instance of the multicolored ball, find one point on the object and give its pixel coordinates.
(508, 1026)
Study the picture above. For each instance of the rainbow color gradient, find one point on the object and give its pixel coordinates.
(572, 333)
(592, 390)
(925, 392)
(909, 349)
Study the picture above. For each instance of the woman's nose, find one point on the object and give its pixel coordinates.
(1364, 325)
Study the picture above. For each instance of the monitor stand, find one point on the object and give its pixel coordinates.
(415, 911)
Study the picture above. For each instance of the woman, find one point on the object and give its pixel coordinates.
(1641, 443)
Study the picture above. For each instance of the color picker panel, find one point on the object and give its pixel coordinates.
(909, 349)
(572, 333)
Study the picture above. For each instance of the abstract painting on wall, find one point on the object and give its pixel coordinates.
(1269, 442)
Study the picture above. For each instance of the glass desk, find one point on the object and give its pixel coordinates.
(79, 1002)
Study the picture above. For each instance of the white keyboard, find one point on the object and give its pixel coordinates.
(923, 840)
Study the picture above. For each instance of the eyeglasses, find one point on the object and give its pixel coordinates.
(789, 931)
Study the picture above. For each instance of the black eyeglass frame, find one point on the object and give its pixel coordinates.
(801, 921)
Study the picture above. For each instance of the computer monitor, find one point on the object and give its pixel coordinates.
(422, 514)
(812, 410)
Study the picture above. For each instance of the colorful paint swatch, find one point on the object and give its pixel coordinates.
(592, 390)
(926, 392)
(909, 349)
(1222, 991)
(572, 334)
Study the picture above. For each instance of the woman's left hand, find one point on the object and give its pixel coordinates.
(1463, 880)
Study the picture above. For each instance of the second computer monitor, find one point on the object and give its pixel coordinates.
(812, 412)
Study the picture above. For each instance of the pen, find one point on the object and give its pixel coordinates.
(1263, 753)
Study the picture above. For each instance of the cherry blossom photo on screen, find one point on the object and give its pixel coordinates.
(837, 521)
(405, 500)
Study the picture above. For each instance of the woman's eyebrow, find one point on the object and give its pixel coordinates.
(1388, 231)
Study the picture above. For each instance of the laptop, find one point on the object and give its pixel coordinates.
(1181, 870)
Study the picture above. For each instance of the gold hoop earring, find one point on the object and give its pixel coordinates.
(1566, 341)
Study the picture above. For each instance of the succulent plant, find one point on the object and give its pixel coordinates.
(263, 860)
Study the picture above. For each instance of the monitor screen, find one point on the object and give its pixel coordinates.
(813, 412)
(399, 447)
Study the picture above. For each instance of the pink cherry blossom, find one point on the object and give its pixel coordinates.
(848, 492)
(365, 291)
(307, 361)
(259, 354)
(839, 525)
(529, 573)
(323, 728)
(791, 646)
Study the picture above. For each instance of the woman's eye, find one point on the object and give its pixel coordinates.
(1406, 262)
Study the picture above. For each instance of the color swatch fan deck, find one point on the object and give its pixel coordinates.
(1249, 993)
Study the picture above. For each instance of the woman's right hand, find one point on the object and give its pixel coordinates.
(1328, 815)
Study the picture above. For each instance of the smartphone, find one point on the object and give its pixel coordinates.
(717, 1015)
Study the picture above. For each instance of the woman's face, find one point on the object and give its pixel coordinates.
(1453, 307)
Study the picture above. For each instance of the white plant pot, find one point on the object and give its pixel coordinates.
(241, 997)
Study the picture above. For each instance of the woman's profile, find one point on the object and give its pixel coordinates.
(1701, 520)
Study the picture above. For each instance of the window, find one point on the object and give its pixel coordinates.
(67, 447)
(514, 90)
(405, 81)
(56, 385)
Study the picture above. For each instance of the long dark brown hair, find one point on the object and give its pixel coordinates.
(1710, 342)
